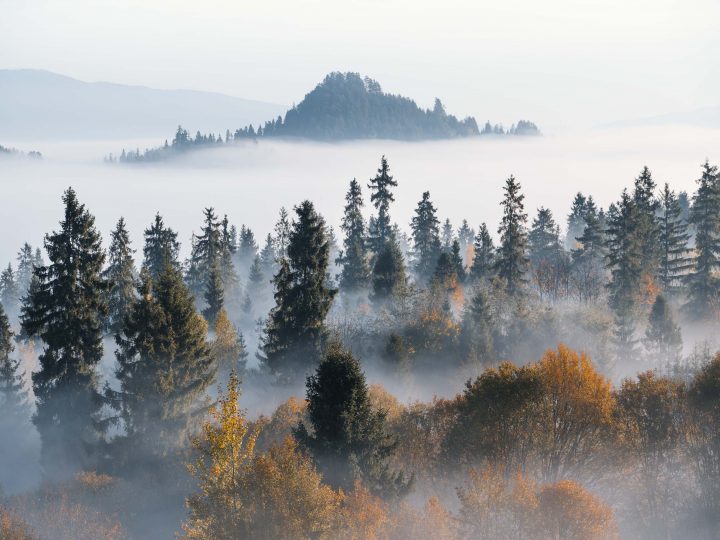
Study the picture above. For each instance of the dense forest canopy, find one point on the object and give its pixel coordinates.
(344, 106)
(582, 395)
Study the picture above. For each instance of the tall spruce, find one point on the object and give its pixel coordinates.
(588, 258)
(161, 248)
(268, 256)
(477, 331)
(120, 276)
(282, 234)
(705, 216)
(576, 220)
(447, 235)
(348, 437)
(207, 248)
(388, 276)
(164, 368)
(663, 339)
(483, 262)
(25, 264)
(512, 261)
(426, 238)
(13, 396)
(381, 196)
(247, 248)
(9, 292)
(355, 274)
(647, 227)
(673, 241)
(66, 312)
(214, 295)
(295, 329)
(543, 238)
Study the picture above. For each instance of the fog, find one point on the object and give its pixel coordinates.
(250, 182)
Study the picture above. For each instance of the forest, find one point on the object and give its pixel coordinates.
(378, 380)
(344, 106)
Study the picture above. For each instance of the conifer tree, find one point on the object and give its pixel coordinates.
(456, 260)
(465, 236)
(282, 234)
(206, 254)
(673, 241)
(388, 275)
(9, 294)
(214, 296)
(381, 196)
(647, 227)
(484, 255)
(512, 263)
(543, 238)
(576, 220)
(161, 248)
(66, 312)
(13, 396)
(164, 366)
(447, 235)
(295, 329)
(705, 216)
(247, 248)
(588, 259)
(228, 275)
(25, 264)
(476, 334)
(663, 339)
(268, 256)
(355, 274)
(348, 439)
(120, 278)
(426, 237)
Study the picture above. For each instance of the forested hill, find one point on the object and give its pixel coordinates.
(344, 106)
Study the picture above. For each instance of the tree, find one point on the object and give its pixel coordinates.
(282, 234)
(268, 256)
(66, 311)
(26, 263)
(466, 236)
(388, 276)
(647, 226)
(355, 273)
(705, 216)
(447, 236)
(8, 288)
(663, 340)
(348, 439)
(588, 258)
(295, 329)
(477, 332)
(161, 248)
(228, 347)
(214, 295)
(576, 220)
(247, 249)
(426, 237)
(381, 196)
(164, 367)
(547, 258)
(484, 257)
(120, 277)
(13, 396)
(512, 262)
(205, 257)
(673, 241)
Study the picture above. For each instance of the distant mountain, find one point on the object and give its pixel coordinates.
(39, 105)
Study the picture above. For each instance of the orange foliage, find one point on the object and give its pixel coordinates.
(275, 429)
(382, 400)
(649, 290)
(12, 527)
(364, 516)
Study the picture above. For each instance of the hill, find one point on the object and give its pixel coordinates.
(39, 105)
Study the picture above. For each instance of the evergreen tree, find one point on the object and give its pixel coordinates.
(476, 334)
(576, 220)
(248, 247)
(295, 329)
(705, 216)
(164, 368)
(512, 262)
(673, 241)
(8, 289)
(426, 237)
(206, 256)
(466, 236)
(13, 396)
(388, 275)
(647, 227)
(588, 259)
(355, 272)
(381, 196)
(66, 312)
(447, 235)
(161, 248)
(282, 234)
(663, 340)
(120, 277)
(456, 260)
(25, 264)
(543, 238)
(268, 256)
(348, 439)
(484, 255)
(214, 295)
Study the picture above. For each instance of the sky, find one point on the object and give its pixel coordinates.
(562, 63)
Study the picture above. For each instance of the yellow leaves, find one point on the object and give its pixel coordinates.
(365, 517)
(382, 400)
(12, 527)
(93, 481)
(649, 289)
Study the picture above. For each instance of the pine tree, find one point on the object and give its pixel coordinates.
(348, 440)
(647, 227)
(164, 367)
(161, 248)
(355, 274)
(512, 262)
(456, 260)
(25, 264)
(295, 329)
(13, 396)
(673, 241)
(466, 236)
(282, 234)
(381, 196)
(9, 294)
(120, 277)
(388, 275)
(484, 255)
(206, 256)
(214, 296)
(663, 339)
(576, 220)
(228, 275)
(705, 216)
(426, 237)
(66, 311)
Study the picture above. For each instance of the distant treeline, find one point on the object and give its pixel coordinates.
(6, 151)
(344, 106)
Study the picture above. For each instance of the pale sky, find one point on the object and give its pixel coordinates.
(562, 63)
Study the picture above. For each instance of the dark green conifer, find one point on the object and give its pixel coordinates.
(663, 339)
(511, 263)
(484, 255)
(120, 278)
(673, 241)
(381, 196)
(576, 220)
(13, 396)
(9, 294)
(388, 277)
(161, 248)
(355, 274)
(426, 238)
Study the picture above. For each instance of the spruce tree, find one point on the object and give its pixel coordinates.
(576, 220)
(282, 234)
(66, 312)
(9, 294)
(483, 261)
(673, 241)
(588, 258)
(295, 329)
(447, 235)
(456, 260)
(705, 216)
(355, 274)
(25, 264)
(214, 295)
(348, 438)
(161, 248)
(512, 262)
(647, 226)
(120, 278)
(247, 248)
(268, 256)
(663, 339)
(476, 334)
(465, 236)
(206, 254)
(13, 396)
(388, 276)
(543, 238)
(381, 196)
(164, 368)
(426, 238)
